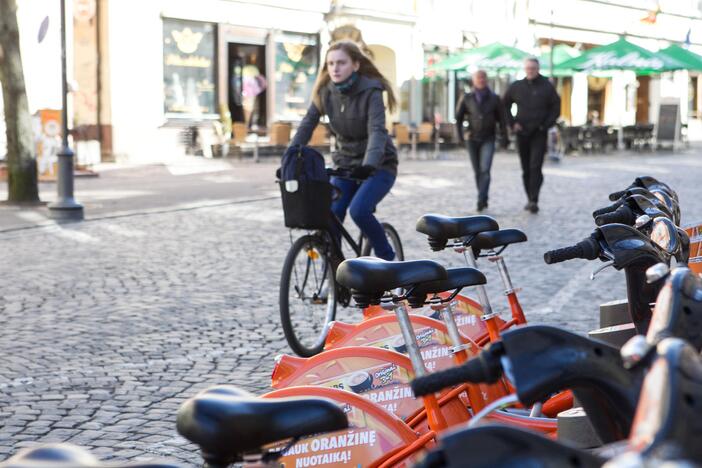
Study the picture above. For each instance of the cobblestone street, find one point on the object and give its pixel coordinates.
(109, 325)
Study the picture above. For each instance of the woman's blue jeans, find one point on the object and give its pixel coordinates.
(361, 198)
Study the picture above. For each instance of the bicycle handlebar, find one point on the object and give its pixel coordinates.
(606, 209)
(338, 172)
(622, 215)
(616, 195)
(483, 368)
(588, 249)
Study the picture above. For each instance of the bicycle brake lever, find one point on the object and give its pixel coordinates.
(598, 270)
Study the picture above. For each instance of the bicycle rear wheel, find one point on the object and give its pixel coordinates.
(307, 295)
(393, 238)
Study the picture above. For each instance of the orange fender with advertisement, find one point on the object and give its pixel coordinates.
(373, 436)
(694, 231)
(466, 312)
(379, 375)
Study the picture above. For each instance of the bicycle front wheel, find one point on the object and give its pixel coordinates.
(394, 239)
(307, 295)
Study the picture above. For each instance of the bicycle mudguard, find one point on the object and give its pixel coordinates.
(373, 434)
(466, 312)
(379, 375)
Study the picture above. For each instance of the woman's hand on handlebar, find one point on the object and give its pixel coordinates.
(357, 173)
(362, 172)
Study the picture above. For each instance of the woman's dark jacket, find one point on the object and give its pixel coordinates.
(482, 116)
(357, 118)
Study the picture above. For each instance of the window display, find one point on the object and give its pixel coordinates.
(296, 66)
(189, 67)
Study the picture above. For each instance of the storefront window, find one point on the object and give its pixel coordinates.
(296, 66)
(189, 68)
(434, 88)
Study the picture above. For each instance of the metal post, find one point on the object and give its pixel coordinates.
(255, 155)
(482, 292)
(410, 338)
(504, 274)
(65, 207)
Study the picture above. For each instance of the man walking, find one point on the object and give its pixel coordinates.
(538, 107)
(484, 111)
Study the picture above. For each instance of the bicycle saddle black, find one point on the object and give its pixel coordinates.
(494, 239)
(227, 423)
(70, 456)
(457, 278)
(371, 276)
(505, 447)
(442, 228)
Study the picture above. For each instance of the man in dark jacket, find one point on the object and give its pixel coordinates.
(483, 110)
(538, 107)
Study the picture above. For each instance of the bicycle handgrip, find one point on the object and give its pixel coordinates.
(471, 371)
(622, 215)
(588, 249)
(616, 195)
(606, 209)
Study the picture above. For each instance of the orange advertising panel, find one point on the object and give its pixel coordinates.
(378, 375)
(384, 332)
(373, 433)
(466, 313)
(695, 232)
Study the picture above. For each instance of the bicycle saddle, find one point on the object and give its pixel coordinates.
(227, 423)
(69, 456)
(457, 278)
(494, 239)
(442, 228)
(370, 275)
(505, 447)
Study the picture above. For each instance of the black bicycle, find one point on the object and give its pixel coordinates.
(309, 294)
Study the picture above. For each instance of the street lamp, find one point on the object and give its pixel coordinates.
(65, 207)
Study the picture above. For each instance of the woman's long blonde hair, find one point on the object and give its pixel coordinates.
(366, 68)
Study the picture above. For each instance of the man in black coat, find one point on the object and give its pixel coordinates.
(484, 111)
(538, 107)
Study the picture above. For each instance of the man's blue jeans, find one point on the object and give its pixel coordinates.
(481, 153)
(361, 199)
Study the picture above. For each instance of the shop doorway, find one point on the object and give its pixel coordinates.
(596, 98)
(246, 78)
(642, 102)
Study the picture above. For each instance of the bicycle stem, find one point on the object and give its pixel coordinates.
(510, 292)
(434, 416)
(482, 292)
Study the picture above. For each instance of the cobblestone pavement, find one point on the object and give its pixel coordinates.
(107, 326)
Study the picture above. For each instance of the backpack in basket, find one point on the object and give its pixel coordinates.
(305, 189)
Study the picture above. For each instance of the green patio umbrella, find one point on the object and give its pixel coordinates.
(561, 53)
(493, 57)
(622, 55)
(691, 60)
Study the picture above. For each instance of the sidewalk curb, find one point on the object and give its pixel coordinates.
(150, 211)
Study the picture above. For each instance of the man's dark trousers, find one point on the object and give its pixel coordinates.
(481, 153)
(532, 148)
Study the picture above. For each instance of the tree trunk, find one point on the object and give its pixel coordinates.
(21, 165)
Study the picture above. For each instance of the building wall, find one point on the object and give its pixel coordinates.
(141, 130)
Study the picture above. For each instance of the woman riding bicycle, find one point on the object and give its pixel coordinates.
(349, 91)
